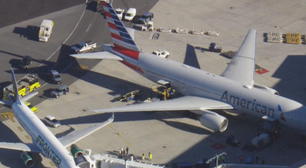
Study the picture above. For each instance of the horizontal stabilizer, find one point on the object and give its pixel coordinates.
(29, 96)
(74, 137)
(20, 146)
(97, 55)
(8, 103)
(182, 103)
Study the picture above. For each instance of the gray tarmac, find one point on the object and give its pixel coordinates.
(169, 136)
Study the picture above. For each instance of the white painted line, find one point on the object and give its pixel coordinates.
(56, 51)
(60, 45)
(75, 25)
(88, 28)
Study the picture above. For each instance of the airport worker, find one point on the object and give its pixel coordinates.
(240, 158)
(263, 160)
(127, 150)
(120, 152)
(143, 156)
(223, 159)
(150, 156)
(257, 159)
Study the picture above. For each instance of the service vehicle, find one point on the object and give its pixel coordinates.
(119, 12)
(61, 90)
(231, 140)
(261, 141)
(52, 121)
(213, 33)
(33, 108)
(45, 30)
(147, 26)
(129, 96)
(25, 62)
(26, 85)
(161, 53)
(164, 91)
(148, 16)
(55, 77)
(213, 47)
(83, 46)
(130, 14)
(100, 6)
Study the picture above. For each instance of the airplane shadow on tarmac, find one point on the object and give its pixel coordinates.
(11, 158)
(292, 75)
(191, 57)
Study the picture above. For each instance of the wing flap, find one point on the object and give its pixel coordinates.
(97, 55)
(76, 136)
(27, 147)
(178, 104)
(242, 66)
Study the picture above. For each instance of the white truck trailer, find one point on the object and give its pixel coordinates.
(45, 30)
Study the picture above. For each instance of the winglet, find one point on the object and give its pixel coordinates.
(113, 116)
(16, 94)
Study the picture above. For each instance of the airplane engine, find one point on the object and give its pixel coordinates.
(75, 150)
(214, 122)
(27, 159)
(266, 89)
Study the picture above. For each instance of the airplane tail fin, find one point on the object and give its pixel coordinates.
(16, 94)
(120, 35)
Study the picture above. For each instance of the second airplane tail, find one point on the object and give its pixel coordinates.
(123, 42)
(16, 94)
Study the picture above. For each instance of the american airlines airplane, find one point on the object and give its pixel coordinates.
(203, 92)
(43, 141)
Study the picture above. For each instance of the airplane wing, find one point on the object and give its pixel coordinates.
(74, 137)
(97, 55)
(242, 66)
(178, 104)
(27, 147)
(5, 102)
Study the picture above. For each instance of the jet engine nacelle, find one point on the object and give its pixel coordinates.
(27, 159)
(214, 122)
(75, 150)
(266, 89)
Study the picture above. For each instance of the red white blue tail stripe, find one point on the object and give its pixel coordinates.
(120, 36)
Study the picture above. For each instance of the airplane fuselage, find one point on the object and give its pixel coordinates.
(191, 81)
(42, 137)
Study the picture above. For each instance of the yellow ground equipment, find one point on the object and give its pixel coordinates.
(25, 85)
(129, 96)
(164, 90)
(33, 108)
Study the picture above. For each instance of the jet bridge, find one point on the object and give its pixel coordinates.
(86, 160)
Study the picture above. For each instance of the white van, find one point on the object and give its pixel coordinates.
(130, 14)
(45, 30)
